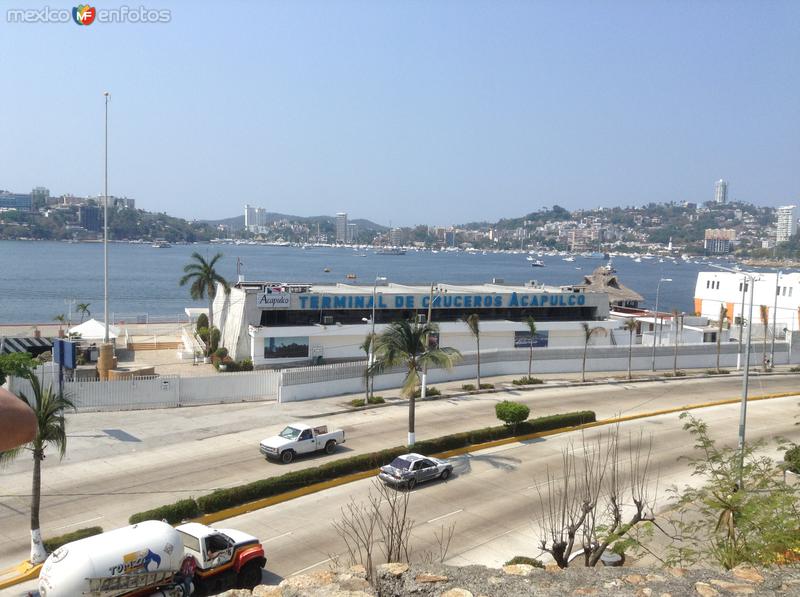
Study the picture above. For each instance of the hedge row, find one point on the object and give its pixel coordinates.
(172, 513)
(53, 543)
(242, 494)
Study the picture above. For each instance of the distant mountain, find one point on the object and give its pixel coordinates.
(237, 222)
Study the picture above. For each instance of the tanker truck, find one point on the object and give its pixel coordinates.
(154, 559)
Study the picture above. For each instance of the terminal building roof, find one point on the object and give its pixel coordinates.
(394, 288)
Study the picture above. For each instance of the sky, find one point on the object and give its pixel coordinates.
(407, 112)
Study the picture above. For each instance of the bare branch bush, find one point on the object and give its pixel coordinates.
(598, 497)
(379, 523)
(443, 537)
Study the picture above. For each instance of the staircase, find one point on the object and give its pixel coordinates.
(165, 345)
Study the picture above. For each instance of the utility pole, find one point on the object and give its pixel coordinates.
(424, 389)
(774, 318)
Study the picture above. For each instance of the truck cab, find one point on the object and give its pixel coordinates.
(301, 438)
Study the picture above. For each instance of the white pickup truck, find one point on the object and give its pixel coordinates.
(299, 438)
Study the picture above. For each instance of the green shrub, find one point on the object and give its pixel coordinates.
(678, 373)
(511, 413)
(487, 386)
(53, 543)
(715, 372)
(221, 352)
(215, 336)
(795, 369)
(525, 560)
(468, 387)
(792, 459)
(234, 496)
(527, 381)
(429, 391)
(376, 400)
(361, 401)
(246, 365)
(172, 513)
(202, 322)
(357, 402)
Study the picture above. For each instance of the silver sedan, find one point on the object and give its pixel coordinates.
(410, 469)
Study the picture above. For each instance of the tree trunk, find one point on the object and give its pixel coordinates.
(38, 553)
(478, 342)
(530, 360)
(630, 353)
(411, 406)
(583, 365)
(675, 356)
(210, 324)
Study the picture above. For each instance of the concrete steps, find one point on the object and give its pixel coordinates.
(166, 345)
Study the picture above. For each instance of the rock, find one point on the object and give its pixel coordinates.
(666, 595)
(392, 569)
(236, 593)
(677, 572)
(634, 579)
(354, 583)
(748, 573)
(267, 591)
(426, 578)
(309, 581)
(644, 592)
(733, 587)
(358, 570)
(456, 593)
(585, 591)
(654, 578)
(518, 569)
(705, 589)
(552, 567)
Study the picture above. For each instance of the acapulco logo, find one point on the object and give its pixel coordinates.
(83, 14)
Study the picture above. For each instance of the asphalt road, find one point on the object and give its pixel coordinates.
(189, 452)
(492, 498)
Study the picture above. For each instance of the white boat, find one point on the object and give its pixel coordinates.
(537, 263)
(529, 258)
(637, 260)
(570, 258)
(161, 244)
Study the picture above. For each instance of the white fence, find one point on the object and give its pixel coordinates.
(165, 391)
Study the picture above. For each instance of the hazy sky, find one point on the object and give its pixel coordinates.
(408, 111)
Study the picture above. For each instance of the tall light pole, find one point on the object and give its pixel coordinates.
(424, 386)
(774, 318)
(371, 359)
(751, 280)
(105, 231)
(655, 315)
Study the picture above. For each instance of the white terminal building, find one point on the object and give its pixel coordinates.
(275, 324)
(732, 290)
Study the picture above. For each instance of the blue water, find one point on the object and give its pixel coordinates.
(36, 278)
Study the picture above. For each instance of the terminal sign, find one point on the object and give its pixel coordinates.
(280, 300)
(316, 302)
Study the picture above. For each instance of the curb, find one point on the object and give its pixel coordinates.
(28, 572)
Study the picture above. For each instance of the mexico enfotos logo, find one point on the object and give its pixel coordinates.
(84, 15)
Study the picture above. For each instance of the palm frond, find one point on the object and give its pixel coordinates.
(473, 322)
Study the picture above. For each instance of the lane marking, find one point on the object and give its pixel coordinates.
(310, 567)
(277, 537)
(66, 526)
(445, 515)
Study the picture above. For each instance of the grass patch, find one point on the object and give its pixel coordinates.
(361, 402)
(678, 373)
(271, 486)
(715, 372)
(468, 387)
(429, 391)
(53, 543)
(527, 381)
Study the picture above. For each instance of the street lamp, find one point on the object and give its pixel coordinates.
(371, 359)
(105, 229)
(424, 386)
(655, 315)
(746, 377)
(774, 318)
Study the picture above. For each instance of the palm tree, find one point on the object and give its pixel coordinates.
(61, 319)
(588, 332)
(368, 348)
(49, 409)
(764, 312)
(473, 322)
(531, 323)
(204, 279)
(723, 315)
(83, 309)
(404, 343)
(630, 326)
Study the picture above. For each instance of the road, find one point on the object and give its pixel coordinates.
(189, 452)
(492, 498)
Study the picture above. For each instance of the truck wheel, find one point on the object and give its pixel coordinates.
(445, 474)
(287, 456)
(330, 447)
(249, 576)
(412, 483)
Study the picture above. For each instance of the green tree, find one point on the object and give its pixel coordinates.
(764, 313)
(755, 524)
(531, 323)
(406, 344)
(18, 364)
(83, 309)
(588, 333)
(49, 409)
(630, 326)
(473, 322)
(61, 319)
(512, 413)
(204, 280)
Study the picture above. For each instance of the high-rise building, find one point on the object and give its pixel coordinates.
(396, 237)
(720, 191)
(341, 227)
(787, 222)
(352, 233)
(249, 216)
(16, 201)
(260, 217)
(40, 196)
(719, 241)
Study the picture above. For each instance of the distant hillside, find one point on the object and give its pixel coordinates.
(237, 222)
